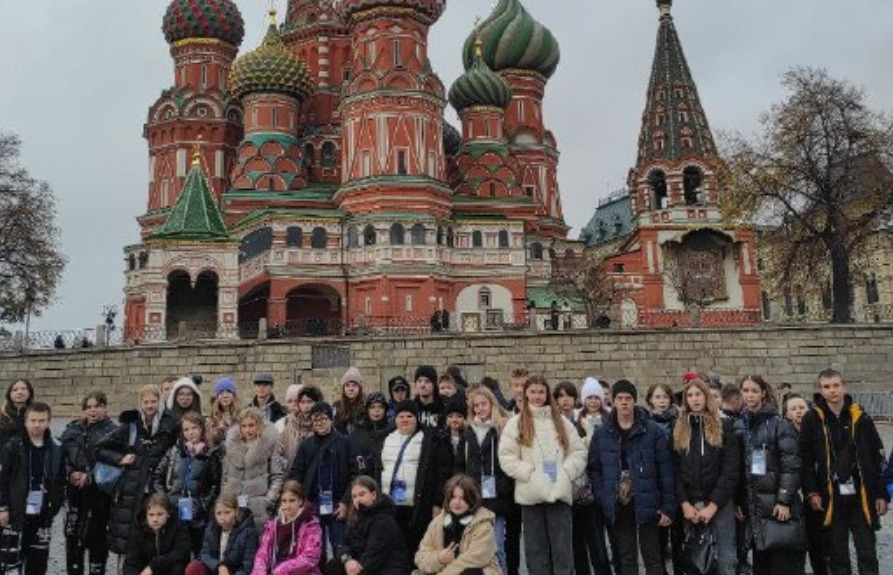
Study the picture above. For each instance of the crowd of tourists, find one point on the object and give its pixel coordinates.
(442, 477)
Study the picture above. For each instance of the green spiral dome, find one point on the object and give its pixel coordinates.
(514, 40)
(219, 19)
(271, 67)
(480, 86)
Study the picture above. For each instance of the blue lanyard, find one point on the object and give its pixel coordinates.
(188, 474)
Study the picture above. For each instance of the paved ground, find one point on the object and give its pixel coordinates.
(885, 536)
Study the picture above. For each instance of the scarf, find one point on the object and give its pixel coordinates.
(453, 528)
(287, 534)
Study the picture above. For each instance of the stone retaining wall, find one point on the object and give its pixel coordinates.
(795, 355)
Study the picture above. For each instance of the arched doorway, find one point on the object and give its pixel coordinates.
(253, 307)
(194, 306)
(313, 309)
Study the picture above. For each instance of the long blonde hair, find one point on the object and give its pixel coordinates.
(525, 422)
(712, 419)
(497, 413)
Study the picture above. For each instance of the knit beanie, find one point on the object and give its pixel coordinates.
(406, 405)
(225, 384)
(321, 407)
(292, 391)
(426, 371)
(352, 375)
(591, 387)
(376, 397)
(456, 405)
(625, 386)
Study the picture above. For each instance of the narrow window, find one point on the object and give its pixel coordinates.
(398, 58)
(401, 162)
(477, 239)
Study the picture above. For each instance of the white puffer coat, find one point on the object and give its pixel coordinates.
(525, 464)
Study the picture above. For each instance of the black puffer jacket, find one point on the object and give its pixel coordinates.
(706, 472)
(165, 552)
(149, 449)
(366, 441)
(238, 557)
(765, 429)
(482, 458)
(79, 441)
(202, 483)
(14, 479)
(375, 540)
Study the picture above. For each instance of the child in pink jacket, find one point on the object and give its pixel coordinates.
(292, 542)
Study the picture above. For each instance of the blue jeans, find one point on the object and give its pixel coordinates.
(499, 534)
(332, 530)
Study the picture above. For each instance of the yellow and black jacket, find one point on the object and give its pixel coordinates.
(817, 454)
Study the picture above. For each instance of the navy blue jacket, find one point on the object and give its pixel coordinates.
(238, 557)
(322, 463)
(650, 463)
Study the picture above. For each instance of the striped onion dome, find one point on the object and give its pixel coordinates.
(514, 40)
(218, 19)
(271, 67)
(480, 86)
(430, 10)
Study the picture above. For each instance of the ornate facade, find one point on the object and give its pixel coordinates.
(666, 245)
(313, 181)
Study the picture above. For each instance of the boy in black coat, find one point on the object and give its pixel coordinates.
(32, 484)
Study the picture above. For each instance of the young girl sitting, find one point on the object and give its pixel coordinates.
(460, 540)
(230, 541)
(159, 546)
(292, 542)
(373, 542)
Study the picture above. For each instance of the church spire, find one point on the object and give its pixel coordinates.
(674, 125)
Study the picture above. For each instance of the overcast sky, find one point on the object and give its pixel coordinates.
(77, 78)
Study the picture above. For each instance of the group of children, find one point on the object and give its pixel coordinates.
(438, 478)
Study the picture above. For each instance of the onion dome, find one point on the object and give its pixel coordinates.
(218, 19)
(480, 86)
(271, 67)
(514, 40)
(429, 9)
(452, 139)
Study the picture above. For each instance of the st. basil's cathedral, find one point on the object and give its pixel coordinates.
(314, 183)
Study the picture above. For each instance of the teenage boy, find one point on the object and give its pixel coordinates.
(427, 398)
(398, 390)
(264, 399)
(843, 462)
(517, 380)
(32, 487)
(322, 466)
(631, 470)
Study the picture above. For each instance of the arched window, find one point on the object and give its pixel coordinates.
(657, 180)
(691, 185)
(397, 234)
(328, 155)
(418, 234)
(353, 237)
(451, 238)
(477, 239)
(143, 260)
(871, 292)
(503, 239)
(369, 235)
(536, 251)
(131, 262)
(294, 237)
(441, 236)
(308, 155)
(485, 298)
(318, 238)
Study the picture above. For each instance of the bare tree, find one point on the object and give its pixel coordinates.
(31, 263)
(582, 277)
(818, 176)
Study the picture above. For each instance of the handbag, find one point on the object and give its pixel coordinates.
(698, 554)
(105, 475)
(583, 490)
(777, 535)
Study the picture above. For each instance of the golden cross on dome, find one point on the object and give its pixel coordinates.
(272, 12)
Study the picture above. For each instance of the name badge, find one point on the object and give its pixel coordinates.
(398, 494)
(550, 468)
(243, 502)
(184, 509)
(758, 462)
(326, 506)
(488, 487)
(848, 488)
(34, 503)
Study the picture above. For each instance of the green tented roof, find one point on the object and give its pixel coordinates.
(195, 216)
